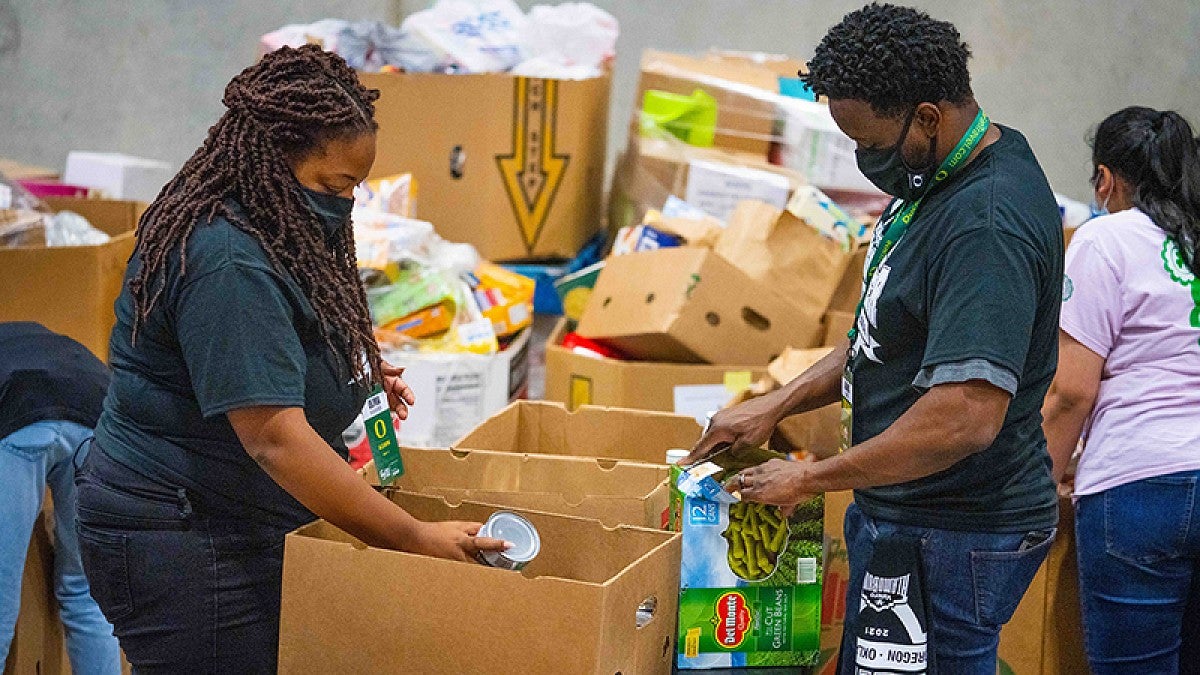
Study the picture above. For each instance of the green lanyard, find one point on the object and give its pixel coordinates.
(897, 224)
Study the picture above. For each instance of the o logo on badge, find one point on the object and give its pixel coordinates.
(380, 428)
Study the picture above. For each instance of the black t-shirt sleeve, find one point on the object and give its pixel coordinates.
(236, 334)
(983, 300)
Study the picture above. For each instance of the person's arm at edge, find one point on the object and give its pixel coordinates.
(1071, 399)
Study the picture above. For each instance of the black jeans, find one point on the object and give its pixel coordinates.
(186, 592)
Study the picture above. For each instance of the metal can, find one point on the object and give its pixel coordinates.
(516, 530)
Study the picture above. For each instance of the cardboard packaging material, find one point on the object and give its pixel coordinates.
(71, 289)
(456, 391)
(15, 170)
(849, 290)
(1045, 635)
(118, 176)
(653, 169)
(691, 305)
(779, 250)
(595, 600)
(837, 325)
(525, 182)
(613, 492)
(591, 431)
(745, 90)
(37, 642)
(576, 380)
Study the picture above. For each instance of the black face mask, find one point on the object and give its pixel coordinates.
(890, 172)
(332, 211)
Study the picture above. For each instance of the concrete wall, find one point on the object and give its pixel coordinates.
(145, 76)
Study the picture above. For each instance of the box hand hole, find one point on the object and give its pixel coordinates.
(755, 320)
(645, 611)
(713, 319)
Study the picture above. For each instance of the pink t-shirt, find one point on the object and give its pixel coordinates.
(1128, 297)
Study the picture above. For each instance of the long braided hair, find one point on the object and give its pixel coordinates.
(280, 110)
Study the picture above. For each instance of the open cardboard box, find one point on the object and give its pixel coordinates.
(347, 608)
(591, 431)
(611, 491)
(577, 379)
(690, 305)
(525, 180)
(71, 289)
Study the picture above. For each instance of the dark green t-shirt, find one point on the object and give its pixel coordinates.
(972, 291)
(233, 333)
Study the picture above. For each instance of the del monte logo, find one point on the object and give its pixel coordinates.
(732, 620)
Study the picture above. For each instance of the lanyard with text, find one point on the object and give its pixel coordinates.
(890, 234)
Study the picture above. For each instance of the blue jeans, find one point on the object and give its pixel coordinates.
(32, 458)
(1138, 547)
(187, 591)
(975, 581)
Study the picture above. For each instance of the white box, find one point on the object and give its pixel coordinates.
(813, 144)
(455, 392)
(716, 188)
(119, 176)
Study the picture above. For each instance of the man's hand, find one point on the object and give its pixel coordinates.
(748, 424)
(777, 482)
(400, 395)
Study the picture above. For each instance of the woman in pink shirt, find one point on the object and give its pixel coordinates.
(1128, 382)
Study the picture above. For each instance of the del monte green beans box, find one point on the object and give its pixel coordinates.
(750, 583)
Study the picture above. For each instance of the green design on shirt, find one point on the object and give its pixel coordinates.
(1175, 266)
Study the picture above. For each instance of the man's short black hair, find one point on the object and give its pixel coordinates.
(893, 58)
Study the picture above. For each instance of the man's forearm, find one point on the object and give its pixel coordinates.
(945, 426)
(818, 386)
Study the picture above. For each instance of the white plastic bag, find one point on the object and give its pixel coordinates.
(473, 36)
(576, 37)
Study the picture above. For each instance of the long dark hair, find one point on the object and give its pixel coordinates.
(1156, 152)
(280, 110)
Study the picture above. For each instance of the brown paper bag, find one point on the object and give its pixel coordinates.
(779, 249)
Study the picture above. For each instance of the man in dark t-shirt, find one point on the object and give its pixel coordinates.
(943, 376)
(51, 393)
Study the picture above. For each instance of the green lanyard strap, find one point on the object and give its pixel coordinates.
(899, 220)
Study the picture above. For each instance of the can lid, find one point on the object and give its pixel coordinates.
(677, 455)
(515, 530)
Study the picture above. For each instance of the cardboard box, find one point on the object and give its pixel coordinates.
(525, 180)
(837, 325)
(456, 391)
(615, 493)
(849, 290)
(118, 176)
(14, 170)
(779, 250)
(71, 289)
(37, 644)
(750, 592)
(539, 427)
(1045, 635)
(745, 90)
(576, 380)
(652, 169)
(691, 305)
(347, 608)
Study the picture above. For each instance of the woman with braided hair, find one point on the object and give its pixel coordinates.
(242, 349)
